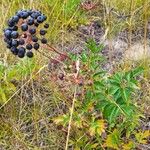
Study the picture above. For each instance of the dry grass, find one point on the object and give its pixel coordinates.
(25, 118)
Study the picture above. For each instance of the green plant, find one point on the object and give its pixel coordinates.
(102, 99)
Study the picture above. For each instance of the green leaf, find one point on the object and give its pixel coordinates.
(84, 57)
(117, 95)
(101, 105)
(128, 109)
(111, 112)
(62, 120)
(113, 140)
(125, 94)
(113, 89)
(91, 45)
(128, 76)
(133, 86)
(97, 127)
(99, 74)
(118, 77)
(73, 57)
(137, 71)
(89, 95)
(99, 85)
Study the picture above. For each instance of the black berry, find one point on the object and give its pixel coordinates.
(44, 41)
(15, 19)
(21, 52)
(32, 30)
(46, 25)
(14, 28)
(42, 32)
(24, 27)
(21, 42)
(14, 50)
(11, 23)
(29, 46)
(30, 21)
(40, 19)
(36, 24)
(29, 54)
(36, 46)
(7, 34)
(14, 43)
(14, 34)
(34, 39)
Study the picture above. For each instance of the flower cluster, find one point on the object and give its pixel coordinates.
(25, 32)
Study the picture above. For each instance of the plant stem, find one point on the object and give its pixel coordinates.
(73, 106)
(49, 47)
(71, 114)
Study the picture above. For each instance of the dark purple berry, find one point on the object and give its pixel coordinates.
(32, 30)
(25, 15)
(11, 23)
(40, 19)
(34, 15)
(19, 13)
(42, 32)
(14, 34)
(44, 41)
(8, 41)
(61, 76)
(34, 39)
(46, 25)
(29, 54)
(14, 50)
(15, 43)
(7, 34)
(29, 46)
(24, 27)
(14, 28)
(36, 24)
(15, 19)
(29, 12)
(21, 52)
(21, 42)
(36, 46)
(30, 21)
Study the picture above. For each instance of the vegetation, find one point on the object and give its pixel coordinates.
(66, 99)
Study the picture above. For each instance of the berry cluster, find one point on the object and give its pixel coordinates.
(23, 34)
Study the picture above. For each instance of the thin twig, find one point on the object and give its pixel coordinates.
(51, 58)
(49, 47)
(73, 106)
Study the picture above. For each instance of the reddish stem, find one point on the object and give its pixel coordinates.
(49, 47)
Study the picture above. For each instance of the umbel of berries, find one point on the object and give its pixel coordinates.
(26, 32)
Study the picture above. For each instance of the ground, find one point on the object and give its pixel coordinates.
(26, 119)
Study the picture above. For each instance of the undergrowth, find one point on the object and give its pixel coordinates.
(75, 104)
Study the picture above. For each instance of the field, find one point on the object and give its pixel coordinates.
(82, 83)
